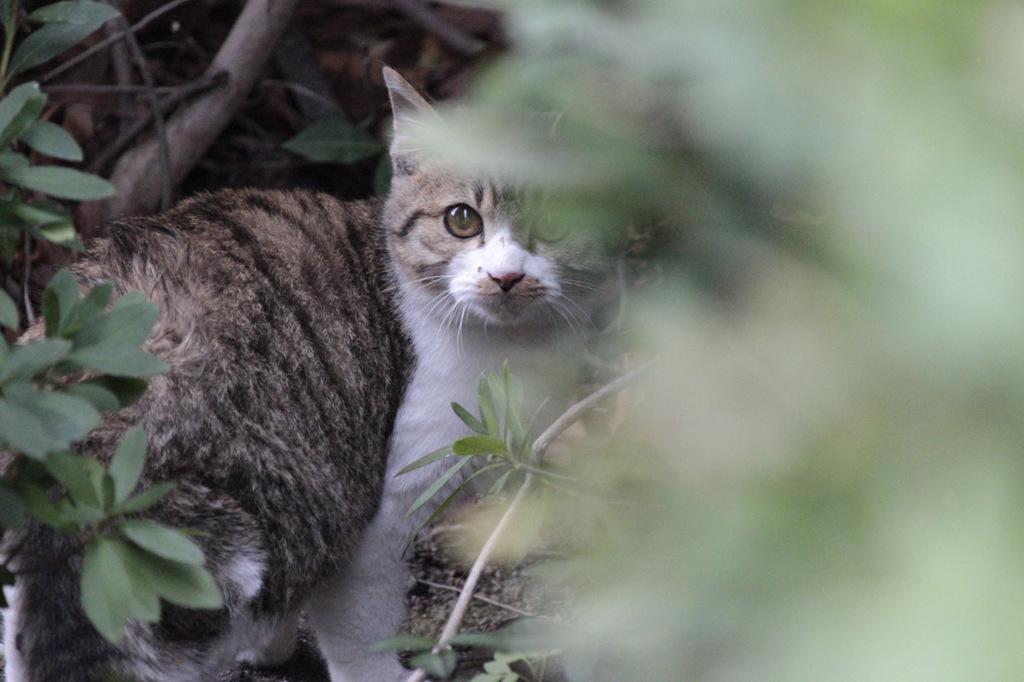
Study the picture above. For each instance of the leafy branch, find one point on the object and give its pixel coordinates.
(52, 393)
(503, 440)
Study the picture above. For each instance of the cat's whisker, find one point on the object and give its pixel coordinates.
(579, 284)
(429, 279)
(575, 317)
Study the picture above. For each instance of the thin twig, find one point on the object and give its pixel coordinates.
(242, 56)
(158, 117)
(175, 95)
(30, 316)
(576, 412)
(329, 106)
(119, 89)
(567, 419)
(478, 597)
(466, 595)
(138, 26)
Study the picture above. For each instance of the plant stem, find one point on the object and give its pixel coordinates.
(10, 29)
(568, 418)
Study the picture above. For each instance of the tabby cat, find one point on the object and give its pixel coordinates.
(314, 347)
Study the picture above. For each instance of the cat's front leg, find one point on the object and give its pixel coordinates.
(362, 605)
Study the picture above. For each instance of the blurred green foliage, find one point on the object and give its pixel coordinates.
(824, 475)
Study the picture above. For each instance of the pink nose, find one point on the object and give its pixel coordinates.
(507, 280)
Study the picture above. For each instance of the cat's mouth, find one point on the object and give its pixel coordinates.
(509, 300)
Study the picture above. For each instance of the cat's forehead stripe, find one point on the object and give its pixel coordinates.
(409, 223)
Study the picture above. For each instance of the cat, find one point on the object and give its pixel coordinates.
(315, 347)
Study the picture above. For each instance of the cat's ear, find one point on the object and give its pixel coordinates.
(409, 109)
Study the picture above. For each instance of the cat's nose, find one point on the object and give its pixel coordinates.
(507, 280)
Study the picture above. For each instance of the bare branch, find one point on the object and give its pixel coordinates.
(243, 56)
(576, 412)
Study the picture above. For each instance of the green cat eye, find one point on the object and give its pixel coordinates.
(463, 221)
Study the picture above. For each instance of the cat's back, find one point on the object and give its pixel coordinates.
(219, 264)
(288, 359)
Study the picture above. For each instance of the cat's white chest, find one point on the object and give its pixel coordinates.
(449, 365)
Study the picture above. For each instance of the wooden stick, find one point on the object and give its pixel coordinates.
(190, 132)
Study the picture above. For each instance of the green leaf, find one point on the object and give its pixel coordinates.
(37, 501)
(8, 238)
(145, 601)
(56, 181)
(164, 542)
(480, 639)
(110, 343)
(468, 419)
(44, 212)
(12, 509)
(62, 233)
(19, 110)
(486, 402)
(5, 16)
(427, 459)
(334, 142)
(73, 314)
(440, 665)
(109, 393)
(106, 587)
(52, 140)
(38, 422)
(405, 643)
(186, 585)
(479, 445)
(499, 484)
(59, 300)
(66, 25)
(25, 362)
(127, 463)
(8, 311)
(83, 477)
(74, 12)
(100, 398)
(437, 485)
(22, 430)
(146, 499)
(11, 162)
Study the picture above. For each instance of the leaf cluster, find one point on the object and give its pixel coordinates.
(501, 444)
(52, 393)
(61, 26)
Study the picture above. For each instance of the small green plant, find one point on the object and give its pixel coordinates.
(27, 198)
(342, 143)
(501, 438)
(501, 447)
(52, 393)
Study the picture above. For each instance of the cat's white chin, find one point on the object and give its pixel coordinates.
(510, 315)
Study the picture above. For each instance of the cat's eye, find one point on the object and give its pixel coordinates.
(463, 221)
